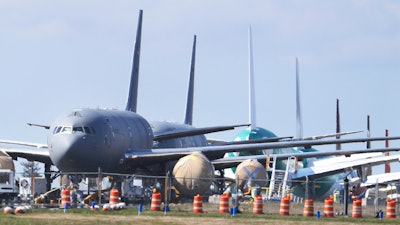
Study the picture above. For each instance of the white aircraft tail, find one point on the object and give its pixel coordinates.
(252, 95)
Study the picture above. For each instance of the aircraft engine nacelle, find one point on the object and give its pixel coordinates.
(193, 174)
(6, 162)
(250, 173)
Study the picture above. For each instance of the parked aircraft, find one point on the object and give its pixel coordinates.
(86, 139)
(251, 172)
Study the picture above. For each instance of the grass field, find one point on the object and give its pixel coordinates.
(182, 215)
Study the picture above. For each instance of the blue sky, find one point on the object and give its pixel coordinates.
(56, 56)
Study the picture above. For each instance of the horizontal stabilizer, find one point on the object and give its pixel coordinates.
(39, 125)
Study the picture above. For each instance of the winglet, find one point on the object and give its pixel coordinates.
(133, 88)
(252, 95)
(190, 96)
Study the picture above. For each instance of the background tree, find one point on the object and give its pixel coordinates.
(29, 167)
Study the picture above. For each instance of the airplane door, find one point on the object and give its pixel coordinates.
(108, 134)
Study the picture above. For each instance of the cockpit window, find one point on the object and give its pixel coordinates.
(57, 129)
(87, 130)
(75, 130)
(78, 130)
(66, 130)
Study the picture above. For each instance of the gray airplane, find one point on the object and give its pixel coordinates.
(84, 139)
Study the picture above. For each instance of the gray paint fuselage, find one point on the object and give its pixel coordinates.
(105, 138)
(113, 133)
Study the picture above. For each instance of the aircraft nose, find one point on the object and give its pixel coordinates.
(67, 151)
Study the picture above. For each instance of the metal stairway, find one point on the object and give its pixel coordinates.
(280, 178)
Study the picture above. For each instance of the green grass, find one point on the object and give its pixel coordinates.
(130, 216)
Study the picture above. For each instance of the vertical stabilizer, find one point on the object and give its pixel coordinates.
(368, 168)
(133, 87)
(387, 165)
(368, 132)
(252, 96)
(190, 95)
(338, 146)
(299, 123)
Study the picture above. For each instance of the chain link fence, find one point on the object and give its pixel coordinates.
(134, 189)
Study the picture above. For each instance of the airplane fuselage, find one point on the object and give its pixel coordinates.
(85, 139)
(324, 185)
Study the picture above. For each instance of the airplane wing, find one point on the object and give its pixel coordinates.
(152, 156)
(316, 137)
(331, 135)
(217, 152)
(335, 165)
(381, 178)
(315, 172)
(158, 136)
(252, 141)
(34, 154)
(29, 144)
(234, 161)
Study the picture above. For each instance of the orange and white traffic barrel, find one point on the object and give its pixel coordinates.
(224, 203)
(65, 198)
(197, 204)
(114, 196)
(258, 205)
(357, 210)
(391, 209)
(308, 207)
(328, 207)
(284, 207)
(155, 201)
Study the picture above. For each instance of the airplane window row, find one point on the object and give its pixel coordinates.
(77, 130)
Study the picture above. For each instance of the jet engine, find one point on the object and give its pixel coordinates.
(250, 173)
(6, 162)
(193, 174)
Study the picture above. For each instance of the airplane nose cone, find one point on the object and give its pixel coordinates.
(67, 152)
